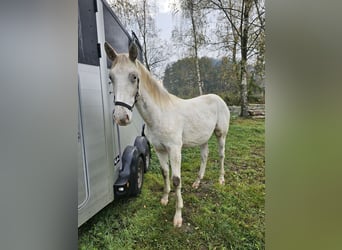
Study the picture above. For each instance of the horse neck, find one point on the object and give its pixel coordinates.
(153, 98)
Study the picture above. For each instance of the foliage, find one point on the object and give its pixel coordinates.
(215, 217)
(217, 75)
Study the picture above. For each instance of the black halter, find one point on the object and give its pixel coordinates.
(129, 107)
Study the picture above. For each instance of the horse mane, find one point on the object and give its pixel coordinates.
(154, 87)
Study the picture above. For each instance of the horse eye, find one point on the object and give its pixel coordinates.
(133, 77)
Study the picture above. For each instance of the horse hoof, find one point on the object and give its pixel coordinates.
(177, 222)
(164, 201)
(196, 184)
(221, 181)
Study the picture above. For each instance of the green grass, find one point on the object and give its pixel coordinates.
(214, 216)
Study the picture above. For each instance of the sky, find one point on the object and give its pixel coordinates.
(164, 6)
(165, 22)
(164, 18)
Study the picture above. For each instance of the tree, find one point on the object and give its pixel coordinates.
(178, 77)
(154, 48)
(190, 6)
(124, 10)
(246, 21)
(216, 75)
(194, 37)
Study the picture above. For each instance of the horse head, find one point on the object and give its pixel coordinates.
(124, 76)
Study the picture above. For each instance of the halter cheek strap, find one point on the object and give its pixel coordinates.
(129, 107)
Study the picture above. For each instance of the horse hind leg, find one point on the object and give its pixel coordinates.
(204, 157)
(221, 139)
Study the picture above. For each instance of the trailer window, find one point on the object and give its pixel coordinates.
(115, 34)
(87, 34)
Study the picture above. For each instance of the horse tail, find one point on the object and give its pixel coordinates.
(223, 117)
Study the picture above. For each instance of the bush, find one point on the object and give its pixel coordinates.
(230, 99)
(256, 99)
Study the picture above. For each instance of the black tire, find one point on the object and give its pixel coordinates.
(138, 179)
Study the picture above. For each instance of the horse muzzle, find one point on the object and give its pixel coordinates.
(121, 117)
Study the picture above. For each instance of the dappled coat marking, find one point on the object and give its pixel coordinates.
(171, 122)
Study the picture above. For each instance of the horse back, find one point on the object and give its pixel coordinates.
(201, 117)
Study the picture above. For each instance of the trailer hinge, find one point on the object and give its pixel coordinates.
(116, 160)
(99, 50)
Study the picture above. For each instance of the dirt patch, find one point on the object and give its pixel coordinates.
(205, 190)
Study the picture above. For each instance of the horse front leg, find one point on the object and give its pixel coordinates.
(163, 160)
(175, 160)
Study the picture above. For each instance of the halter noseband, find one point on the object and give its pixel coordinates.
(129, 107)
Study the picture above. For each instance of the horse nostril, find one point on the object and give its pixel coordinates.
(127, 118)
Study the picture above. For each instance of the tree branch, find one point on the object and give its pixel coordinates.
(221, 7)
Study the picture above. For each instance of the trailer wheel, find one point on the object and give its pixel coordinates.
(145, 149)
(138, 178)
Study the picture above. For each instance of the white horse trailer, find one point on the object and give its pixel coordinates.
(112, 159)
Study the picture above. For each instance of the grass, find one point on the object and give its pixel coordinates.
(214, 216)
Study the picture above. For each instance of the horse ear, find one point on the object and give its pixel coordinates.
(133, 51)
(110, 51)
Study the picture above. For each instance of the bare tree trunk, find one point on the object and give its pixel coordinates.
(235, 35)
(235, 44)
(246, 5)
(194, 34)
(199, 82)
(244, 91)
(144, 34)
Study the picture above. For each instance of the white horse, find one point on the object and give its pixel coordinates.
(171, 122)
